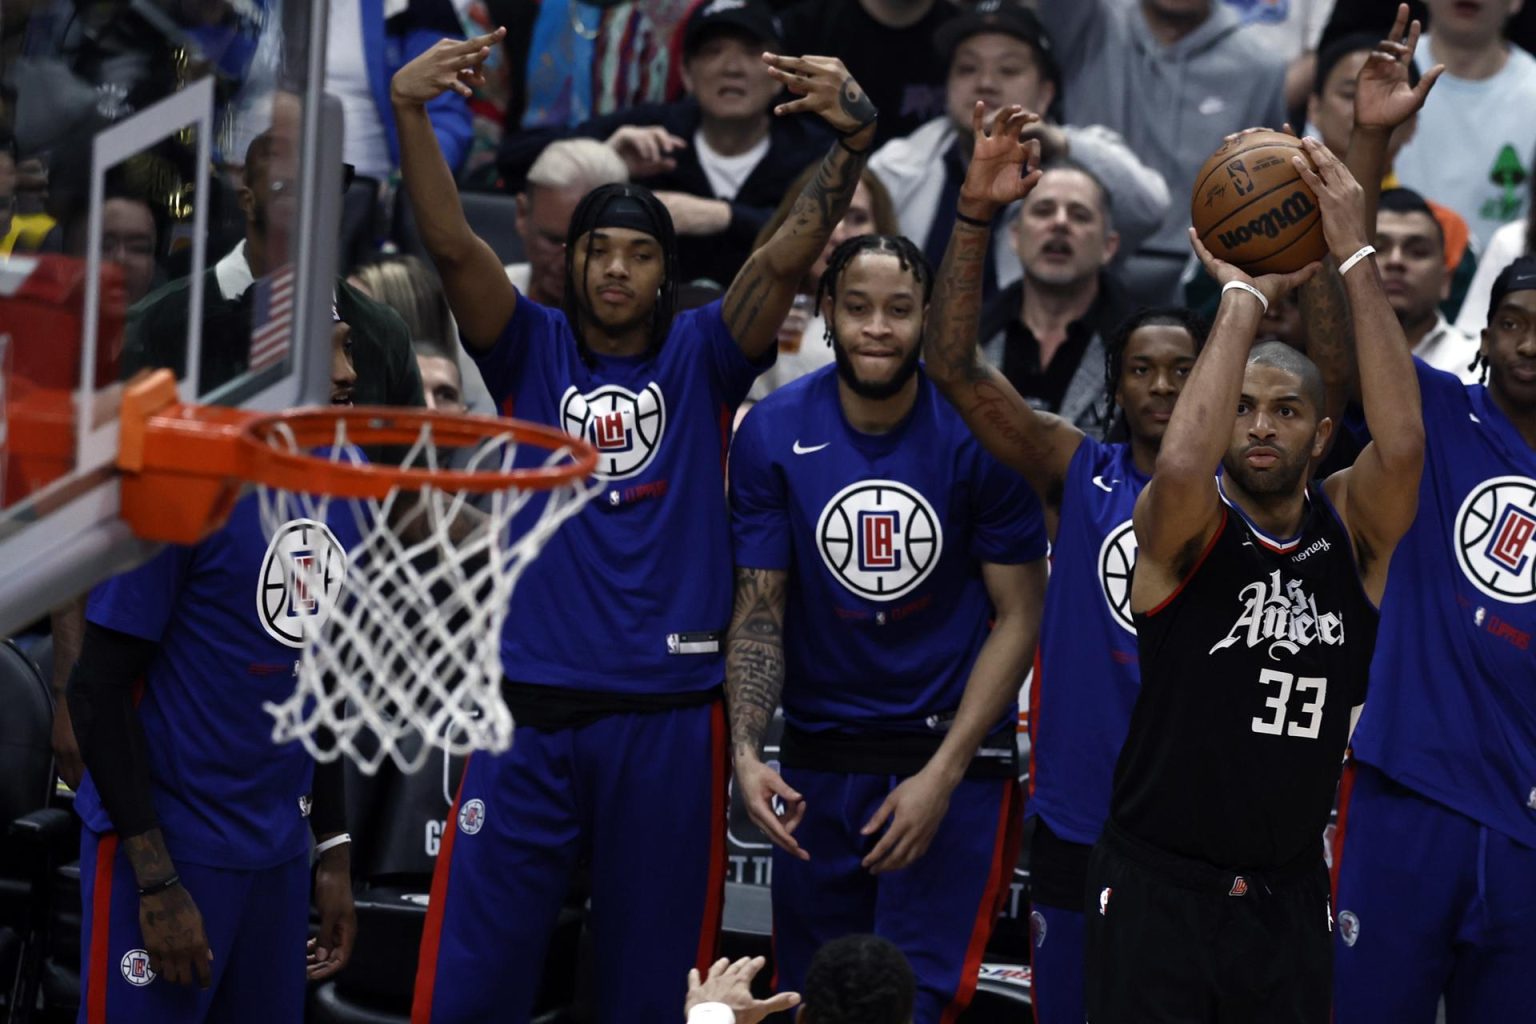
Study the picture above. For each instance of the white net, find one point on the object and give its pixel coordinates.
(402, 651)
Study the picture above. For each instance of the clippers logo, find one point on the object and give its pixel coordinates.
(879, 538)
(1117, 560)
(624, 427)
(1496, 538)
(300, 579)
(1349, 927)
(135, 968)
(472, 817)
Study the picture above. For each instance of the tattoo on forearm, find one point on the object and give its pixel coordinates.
(954, 316)
(754, 658)
(1330, 335)
(794, 247)
(149, 857)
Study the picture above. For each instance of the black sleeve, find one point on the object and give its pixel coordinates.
(520, 149)
(328, 810)
(107, 724)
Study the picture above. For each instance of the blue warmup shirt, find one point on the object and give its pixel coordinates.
(883, 537)
(230, 615)
(1452, 713)
(1088, 674)
(627, 591)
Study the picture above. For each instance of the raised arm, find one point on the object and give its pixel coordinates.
(1038, 446)
(1179, 511)
(1378, 496)
(754, 681)
(481, 297)
(760, 296)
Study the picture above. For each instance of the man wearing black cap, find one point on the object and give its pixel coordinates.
(999, 54)
(1435, 852)
(613, 641)
(717, 159)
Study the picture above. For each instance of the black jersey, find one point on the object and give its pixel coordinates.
(1249, 671)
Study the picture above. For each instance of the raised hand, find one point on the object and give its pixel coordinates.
(826, 89)
(1340, 199)
(450, 64)
(645, 149)
(1273, 286)
(996, 175)
(731, 984)
(1383, 97)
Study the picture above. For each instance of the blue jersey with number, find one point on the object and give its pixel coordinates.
(883, 537)
(633, 595)
(1452, 712)
(231, 615)
(1087, 676)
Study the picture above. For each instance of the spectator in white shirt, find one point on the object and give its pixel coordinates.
(1410, 250)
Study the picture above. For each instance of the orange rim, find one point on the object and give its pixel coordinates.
(184, 466)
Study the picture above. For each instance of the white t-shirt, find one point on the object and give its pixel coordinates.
(727, 173)
(364, 143)
(1474, 144)
(1446, 348)
(1286, 27)
(795, 360)
(1507, 245)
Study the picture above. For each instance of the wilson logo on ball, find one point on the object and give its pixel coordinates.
(1289, 212)
(880, 538)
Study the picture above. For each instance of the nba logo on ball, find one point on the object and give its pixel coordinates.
(135, 968)
(1496, 538)
(301, 576)
(623, 426)
(880, 538)
(472, 817)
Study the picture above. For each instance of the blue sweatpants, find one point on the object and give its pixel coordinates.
(1056, 964)
(939, 911)
(256, 922)
(644, 795)
(1430, 902)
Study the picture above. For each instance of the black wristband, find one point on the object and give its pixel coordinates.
(160, 886)
(974, 222)
(842, 140)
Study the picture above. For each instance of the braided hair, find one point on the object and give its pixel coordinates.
(587, 218)
(907, 254)
(1114, 355)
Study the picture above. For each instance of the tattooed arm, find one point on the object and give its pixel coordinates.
(754, 679)
(1330, 343)
(760, 296)
(1039, 446)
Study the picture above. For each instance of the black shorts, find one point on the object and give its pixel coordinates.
(1174, 940)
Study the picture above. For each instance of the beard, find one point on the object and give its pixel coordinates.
(874, 390)
(1279, 479)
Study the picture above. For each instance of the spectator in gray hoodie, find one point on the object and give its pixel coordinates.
(1174, 77)
(998, 53)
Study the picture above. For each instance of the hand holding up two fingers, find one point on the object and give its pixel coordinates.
(1384, 98)
(449, 65)
(826, 89)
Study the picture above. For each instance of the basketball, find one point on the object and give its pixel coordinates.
(1251, 208)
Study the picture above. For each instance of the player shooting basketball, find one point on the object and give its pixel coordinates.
(612, 646)
(874, 541)
(195, 856)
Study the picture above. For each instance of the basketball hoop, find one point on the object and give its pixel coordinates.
(402, 655)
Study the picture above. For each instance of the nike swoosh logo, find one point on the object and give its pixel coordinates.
(1098, 482)
(802, 450)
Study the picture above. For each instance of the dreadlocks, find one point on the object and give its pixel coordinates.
(1114, 355)
(908, 255)
(626, 206)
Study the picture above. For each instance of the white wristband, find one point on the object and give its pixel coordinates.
(711, 1013)
(332, 843)
(1244, 286)
(1348, 265)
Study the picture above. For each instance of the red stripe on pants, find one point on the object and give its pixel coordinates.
(719, 804)
(1005, 854)
(437, 906)
(1346, 787)
(101, 930)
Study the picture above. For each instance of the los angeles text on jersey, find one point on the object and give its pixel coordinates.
(1283, 616)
